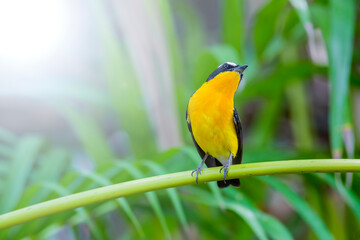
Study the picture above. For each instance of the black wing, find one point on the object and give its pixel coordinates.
(238, 128)
(210, 161)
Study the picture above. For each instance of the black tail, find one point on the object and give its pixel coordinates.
(226, 183)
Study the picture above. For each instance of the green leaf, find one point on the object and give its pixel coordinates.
(173, 195)
(89, 134)
(301, 207)
(265, 26)
(302, 10)
(349, 139)
(284, 74)
(123, 86)
(24, 156)
(233, 22)
(122, 202)
(348, 131)
(62, 191)
(51, 166)
(300, 116)
(151, 196)
(250, 217)
(342, 20)
(194, 33)
(335, 216)
(349, 196)
(263, 131)
(274, 228)
(237, 207)
(320, 15)
(45, 190)
(27, 198)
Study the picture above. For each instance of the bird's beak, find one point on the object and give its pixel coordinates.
(240, 69)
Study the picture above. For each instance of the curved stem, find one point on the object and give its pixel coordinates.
(172, 180)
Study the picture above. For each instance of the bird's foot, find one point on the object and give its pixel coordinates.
(227, 166)
(226, 169)
(198, 171)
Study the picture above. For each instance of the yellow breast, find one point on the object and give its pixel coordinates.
(211, 112)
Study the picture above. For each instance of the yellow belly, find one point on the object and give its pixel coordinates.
(214, 129)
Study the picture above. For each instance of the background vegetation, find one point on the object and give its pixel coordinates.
(107, 105)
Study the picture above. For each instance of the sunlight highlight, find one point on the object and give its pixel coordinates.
(30, 30)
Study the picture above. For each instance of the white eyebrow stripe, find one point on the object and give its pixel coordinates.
(231, 63)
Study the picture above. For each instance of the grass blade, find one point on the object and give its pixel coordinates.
(81, 211)
(274, 228)
(302, 10)
(263, 131)
(250, 218)
(263, 33)
(51, 166)
(349, 139)
(342, 19)
(234, 25)
(301, 207)
(89, 134)
(25, 154)
(173, 195)
(120, 201)
(349, 196)
(348, 132)
(237, 207)
(300, 116)
(124, 90)
(151, 196)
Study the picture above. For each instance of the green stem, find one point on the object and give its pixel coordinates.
(172, 180)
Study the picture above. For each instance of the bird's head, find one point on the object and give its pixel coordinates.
(228, 67)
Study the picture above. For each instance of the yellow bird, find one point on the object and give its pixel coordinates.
(214, 123)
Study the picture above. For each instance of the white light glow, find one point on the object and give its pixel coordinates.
(30, 30)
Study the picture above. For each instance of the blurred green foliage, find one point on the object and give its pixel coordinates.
(281, 42)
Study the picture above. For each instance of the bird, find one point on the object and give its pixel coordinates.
(214, 123)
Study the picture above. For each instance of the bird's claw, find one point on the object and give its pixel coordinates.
(198, 171)
(226, 170)
(227, 166)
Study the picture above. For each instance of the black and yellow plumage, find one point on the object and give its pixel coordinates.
(214, 123)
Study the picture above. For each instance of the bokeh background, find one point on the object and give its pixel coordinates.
(95, 92)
